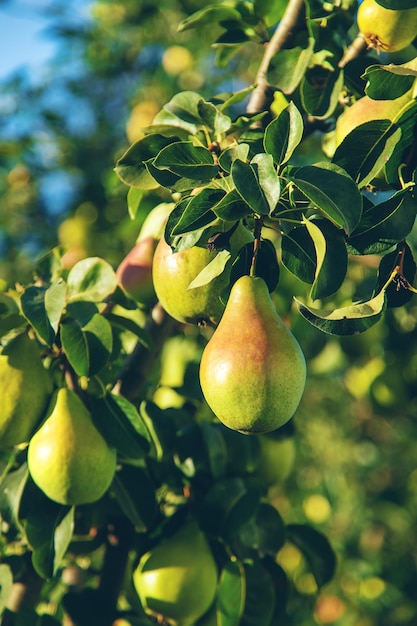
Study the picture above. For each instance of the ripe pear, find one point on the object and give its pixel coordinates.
(177, 580)
(252, 371)
(134, 273)
(25, 389)
(387, 30)
(365, 110)
(68, 458)
(174, 271)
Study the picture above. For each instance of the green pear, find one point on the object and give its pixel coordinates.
(252, 371)
(68, 458)
(177, 580)
(387, 30)
(174, 271)
(25, 389)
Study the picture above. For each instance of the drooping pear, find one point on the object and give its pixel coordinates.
(68, 458)
(25, 389)
(177, 580)
(252, 371)
(174, 271)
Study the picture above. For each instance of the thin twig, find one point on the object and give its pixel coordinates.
(356, 49)
(263, 93)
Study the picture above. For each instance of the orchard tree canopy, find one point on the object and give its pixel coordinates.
(208, 320)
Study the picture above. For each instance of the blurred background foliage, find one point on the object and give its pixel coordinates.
(350, 468)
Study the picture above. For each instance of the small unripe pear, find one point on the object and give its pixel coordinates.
(252, 371)
(387, 30)
(177, 580)
(25, 388)
(68, 458)
(174, 271)
(135, 271)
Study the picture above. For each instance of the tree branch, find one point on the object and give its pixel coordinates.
(262, 95)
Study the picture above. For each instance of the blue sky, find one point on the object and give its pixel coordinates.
(24, 42)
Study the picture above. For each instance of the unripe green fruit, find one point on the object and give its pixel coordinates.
(177, 580)
(276, 459)
(25, 388)
(68, 458)
(252, 371)
(174, 271)
(386, 30)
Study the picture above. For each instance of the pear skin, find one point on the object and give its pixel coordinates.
(134, 273)
(25, 389)
(172, 273)
(252, 371)
(177, 580)
(68, 458)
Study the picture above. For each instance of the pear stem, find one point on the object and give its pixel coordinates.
(259, 222)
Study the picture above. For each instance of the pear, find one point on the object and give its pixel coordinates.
(177, 580)
(134, 273)
(252, 371)
(68, 458)
(25, 389)
(174, 271)
(387, 30)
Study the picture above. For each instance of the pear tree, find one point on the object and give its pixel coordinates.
(264, 214)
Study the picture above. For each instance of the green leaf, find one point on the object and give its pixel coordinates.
(126, 323)
(48, 527)
(331, 258)
(331, 191)
(386, 82)
(216, 121)
(9, 314)
(134, 196)
(232, 207)
(289, 66)
(245, 177)
(266, 263)
(268, 178)
(87, 339)
(298, 254)
(6, 583)
(231, 594)
(284, 134)
(131, 168)
(185, 159)
(214, 13)
(119, 422)
(398, 5)
(227, 506)
(33, 306)
(265, 532)
(197, 211)
(212, 270)
(316, 549)
(320, 91)
(348, 320)
(55, 298)
(246, 596)
(12, 488)
(92, 280)
(384, 224)
(228, 156)
(407, 122)
(366, 150)
(135, 494)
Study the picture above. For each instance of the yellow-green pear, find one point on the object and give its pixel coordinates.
(173, 272)
(252, 370)
(177, 580)
(68, 458)
(386, 30)
(25, 389)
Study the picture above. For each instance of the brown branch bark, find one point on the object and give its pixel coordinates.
(262, 95)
